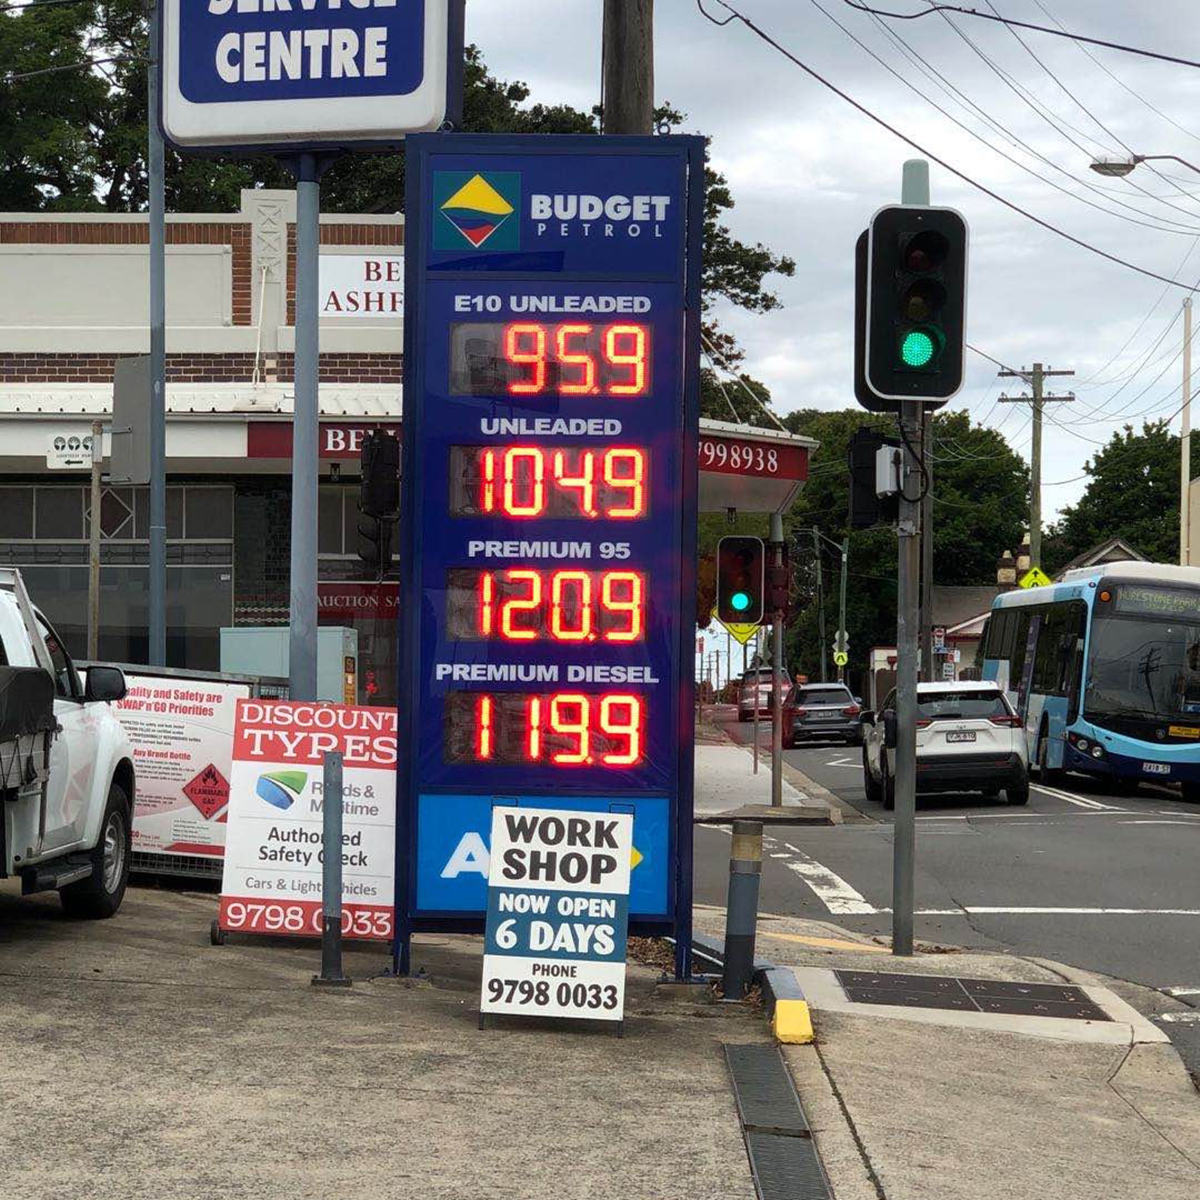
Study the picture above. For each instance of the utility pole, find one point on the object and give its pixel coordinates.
(926, 549)
(627, 102)
(1036, 380)
(820, 607)
(93, 624)
(1185, 443)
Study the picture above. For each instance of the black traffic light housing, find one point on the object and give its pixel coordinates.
(910, 307)
(866, 507)
(741, 580)
(378, 499)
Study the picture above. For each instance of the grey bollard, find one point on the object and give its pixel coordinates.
(331, 876)
(741, 917)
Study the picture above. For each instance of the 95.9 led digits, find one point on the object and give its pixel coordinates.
(525, 482)
(559, 729)
(530, 604)
(533, 358)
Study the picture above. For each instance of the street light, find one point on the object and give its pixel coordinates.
(1120, 167)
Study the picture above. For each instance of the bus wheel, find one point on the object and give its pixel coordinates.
(1046, 774)
(1191, 791)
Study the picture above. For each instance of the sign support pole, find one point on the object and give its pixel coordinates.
(302, 661)
(158, 360)
(776, 668)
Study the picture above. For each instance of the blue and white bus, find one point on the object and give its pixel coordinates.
(1104, 669)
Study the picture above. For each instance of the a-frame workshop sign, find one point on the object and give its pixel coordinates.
(549, 507)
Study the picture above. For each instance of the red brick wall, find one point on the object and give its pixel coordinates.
(338, 235)
(235, 234)
(195, 368)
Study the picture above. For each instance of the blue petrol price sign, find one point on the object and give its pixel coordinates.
(279, 73)
(549, 503)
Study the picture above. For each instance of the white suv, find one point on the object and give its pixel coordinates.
(968, 739)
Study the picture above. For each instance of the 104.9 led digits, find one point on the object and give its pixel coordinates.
(527, 482)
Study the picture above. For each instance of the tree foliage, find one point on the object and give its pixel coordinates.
(1132, 493)
(981, 490)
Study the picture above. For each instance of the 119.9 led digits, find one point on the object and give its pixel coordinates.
(561, 729)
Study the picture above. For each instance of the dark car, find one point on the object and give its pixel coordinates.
(821, 710)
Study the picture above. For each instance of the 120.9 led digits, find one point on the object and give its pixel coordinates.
(559, 729)
(528, 604)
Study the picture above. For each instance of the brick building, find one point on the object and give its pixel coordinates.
(74, 298)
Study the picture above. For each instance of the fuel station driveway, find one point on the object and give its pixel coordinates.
(136, 1060)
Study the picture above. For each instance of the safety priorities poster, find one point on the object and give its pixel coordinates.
(273, 851)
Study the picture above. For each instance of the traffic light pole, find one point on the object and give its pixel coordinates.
(914, 190)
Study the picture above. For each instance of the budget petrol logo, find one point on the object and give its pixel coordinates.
(281, 789)
(475, 211)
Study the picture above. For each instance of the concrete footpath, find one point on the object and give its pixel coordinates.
(911, 1102)
(138, 1061)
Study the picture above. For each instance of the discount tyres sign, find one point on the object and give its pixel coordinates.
(273, 850)
(266, 74)
(558, 912)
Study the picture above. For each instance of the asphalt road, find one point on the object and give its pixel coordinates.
(1104, 882)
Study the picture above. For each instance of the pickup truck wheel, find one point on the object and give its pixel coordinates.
(100, 894)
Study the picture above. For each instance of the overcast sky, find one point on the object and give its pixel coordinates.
(807, 171)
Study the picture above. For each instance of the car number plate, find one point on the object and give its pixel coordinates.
(1156, 768)
(961, 735)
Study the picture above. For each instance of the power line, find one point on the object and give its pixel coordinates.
(770, 41)
(1063, 33)
(1118, 80)
(938, 79)
(1190, 230)
(79, 66)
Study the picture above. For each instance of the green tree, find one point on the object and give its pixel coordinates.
(1132, 493)
(980, 500)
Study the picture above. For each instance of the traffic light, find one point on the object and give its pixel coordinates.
(378, 499)
(379, 492)
(740, 580)
(911, 295)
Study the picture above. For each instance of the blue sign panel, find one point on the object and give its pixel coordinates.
(266, 73)
(548, 594)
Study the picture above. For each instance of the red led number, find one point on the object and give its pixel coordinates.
(563, 729)
(589, 360)
(523, 604)
(529, 481)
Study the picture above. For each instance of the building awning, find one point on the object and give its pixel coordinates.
(226, 428)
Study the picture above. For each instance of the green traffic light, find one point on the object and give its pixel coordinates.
(917, 348)
(739, 601)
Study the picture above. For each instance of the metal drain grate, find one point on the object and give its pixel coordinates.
(783, 1159)
(971, 995)
(786, 1168)
(766, 1099)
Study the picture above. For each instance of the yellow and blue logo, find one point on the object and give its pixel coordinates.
(474, 211)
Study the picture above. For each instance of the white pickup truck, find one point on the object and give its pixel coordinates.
(66, 767)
